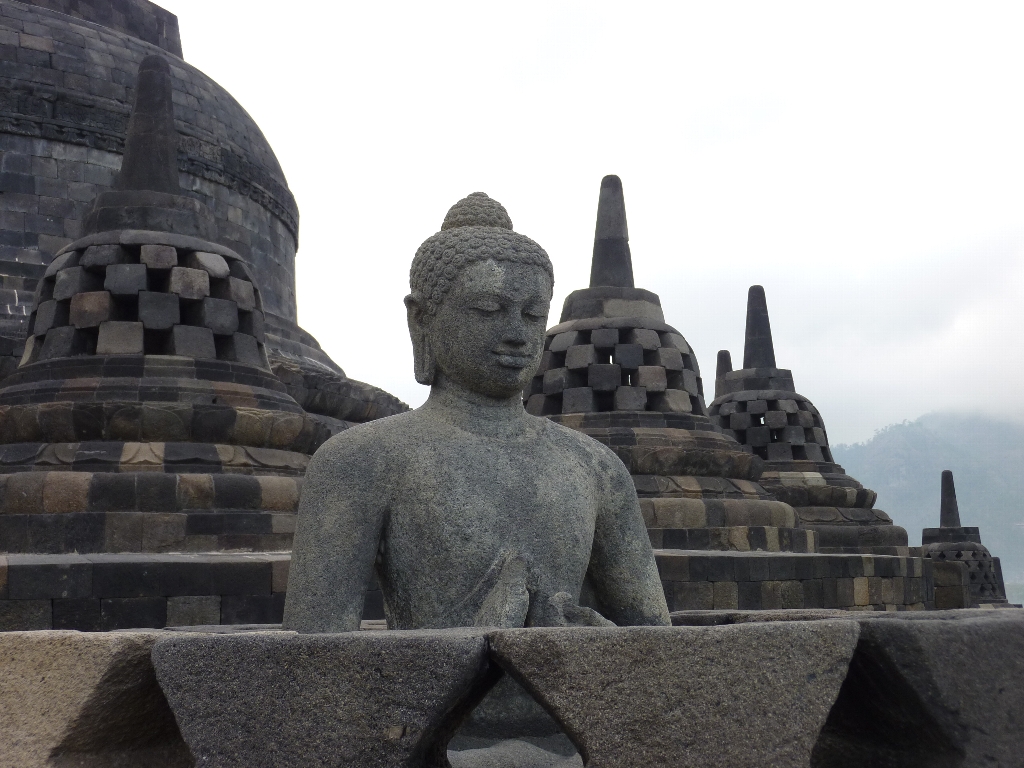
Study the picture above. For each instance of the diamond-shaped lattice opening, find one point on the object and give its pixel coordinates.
(509, 727)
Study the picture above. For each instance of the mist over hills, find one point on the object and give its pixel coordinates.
(903, 463)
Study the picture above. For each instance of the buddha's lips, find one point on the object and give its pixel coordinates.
(513, 361)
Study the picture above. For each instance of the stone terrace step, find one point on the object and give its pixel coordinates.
(729, 580)
(104, 592)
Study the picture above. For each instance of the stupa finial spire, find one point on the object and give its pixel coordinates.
(758, 350)
(724, 363)
(151, 147)
(612, 265)
(949, 512)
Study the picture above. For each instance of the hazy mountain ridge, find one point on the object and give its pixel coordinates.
(903, 462)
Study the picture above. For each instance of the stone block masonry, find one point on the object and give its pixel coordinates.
(702, 580)
(104, 592)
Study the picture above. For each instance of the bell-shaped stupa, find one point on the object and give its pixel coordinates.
(954, 542)
(613, 369)
(144, 421)
(759, 406)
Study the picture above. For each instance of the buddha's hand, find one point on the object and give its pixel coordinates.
(560, 610)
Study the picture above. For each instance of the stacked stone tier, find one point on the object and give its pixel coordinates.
(104, 592)
(144, 418)
(698, 489)
(91, 512)
(153, 399)
(698, 580)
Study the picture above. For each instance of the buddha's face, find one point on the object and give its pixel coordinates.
(488, 333)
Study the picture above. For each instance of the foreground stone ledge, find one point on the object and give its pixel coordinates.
(74, 699)
(744, 688)
(363, 699)
(743, 695)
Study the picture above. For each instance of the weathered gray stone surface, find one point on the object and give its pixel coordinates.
(741, 695)
(367, 699)
(934, 689)
(74, 699)
(475, 512)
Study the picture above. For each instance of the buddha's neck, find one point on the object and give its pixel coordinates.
(474, 412)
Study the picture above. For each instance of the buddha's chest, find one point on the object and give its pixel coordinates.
(478, 499)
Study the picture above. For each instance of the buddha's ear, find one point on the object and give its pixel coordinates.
(422, 355)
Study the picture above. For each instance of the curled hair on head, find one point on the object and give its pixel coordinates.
(476, 228)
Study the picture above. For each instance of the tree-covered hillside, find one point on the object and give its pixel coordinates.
(903, 463)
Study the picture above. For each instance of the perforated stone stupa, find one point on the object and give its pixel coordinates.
(67, 81)
(954, 542)
(615, 370)
(759, 406)
(144, 417)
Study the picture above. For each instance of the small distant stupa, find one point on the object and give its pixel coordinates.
(759, 406)
(952, 541)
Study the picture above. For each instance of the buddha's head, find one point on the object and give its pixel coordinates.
(479, 302)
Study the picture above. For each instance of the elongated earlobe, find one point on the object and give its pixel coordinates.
(424, 366)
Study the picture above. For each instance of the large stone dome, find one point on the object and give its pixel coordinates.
(66, 84)
(67, 80)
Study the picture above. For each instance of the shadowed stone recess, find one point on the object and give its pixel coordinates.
(368, 699)
(758, 405)
(689, 696)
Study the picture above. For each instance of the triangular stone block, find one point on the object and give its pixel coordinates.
(741, 695)
(367, 699)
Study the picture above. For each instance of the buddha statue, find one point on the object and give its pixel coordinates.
(472, 511)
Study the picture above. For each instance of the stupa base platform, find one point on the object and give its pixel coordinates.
(730, 580)
(103, 592)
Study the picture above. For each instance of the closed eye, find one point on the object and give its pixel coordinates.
(486, 308)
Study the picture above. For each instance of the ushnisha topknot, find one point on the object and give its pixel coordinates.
(477, 210)
(476, 228)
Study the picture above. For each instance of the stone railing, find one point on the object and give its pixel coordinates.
(755, 689)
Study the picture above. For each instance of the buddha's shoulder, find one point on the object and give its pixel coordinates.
(576, 443)
(369, 438)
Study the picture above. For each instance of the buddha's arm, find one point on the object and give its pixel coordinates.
(622, 567)
(338, 531)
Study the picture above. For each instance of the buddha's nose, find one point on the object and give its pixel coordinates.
(515, 332)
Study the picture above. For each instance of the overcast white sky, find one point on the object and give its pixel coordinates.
(862, 161)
